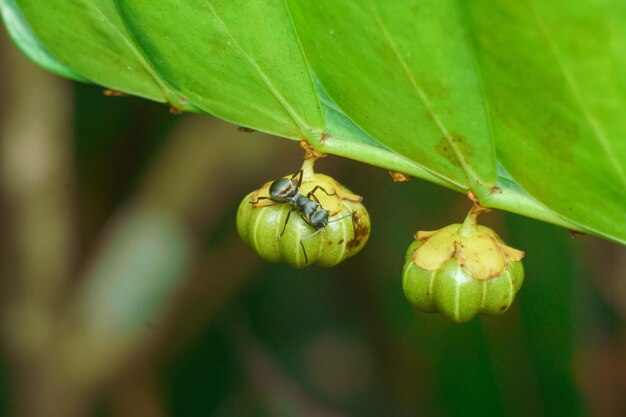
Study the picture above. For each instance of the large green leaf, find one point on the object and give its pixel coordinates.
(411, 86)
(237, 59)
(555, 73)
(89, 37)
(161, 53)
(545, 81)
(523, 103)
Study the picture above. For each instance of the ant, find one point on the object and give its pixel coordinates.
(287, 191)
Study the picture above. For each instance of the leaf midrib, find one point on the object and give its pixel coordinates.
(261, 74)
(165, 87)
(473, 178)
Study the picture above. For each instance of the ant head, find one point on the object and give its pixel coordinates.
(282, 189)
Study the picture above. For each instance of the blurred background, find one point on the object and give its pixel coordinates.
(125, 290)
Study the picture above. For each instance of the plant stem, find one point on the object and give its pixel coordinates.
(468, 228)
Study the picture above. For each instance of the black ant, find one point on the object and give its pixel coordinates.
(287, 191)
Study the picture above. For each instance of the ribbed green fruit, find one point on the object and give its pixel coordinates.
(260, 227)
(457, 295)
(462, 270)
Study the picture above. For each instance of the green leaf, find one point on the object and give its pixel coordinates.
(522, 103)
(512, 78)
(255, 75)
(93, 41)
(344, 138)
(556, 80)
(237, 59)
(405, 73)
(25, 39)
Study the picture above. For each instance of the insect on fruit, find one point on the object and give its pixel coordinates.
(331, 223)
(309, 208)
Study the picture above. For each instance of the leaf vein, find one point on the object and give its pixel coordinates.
(424, 97)
(264, 77)
(168, 90)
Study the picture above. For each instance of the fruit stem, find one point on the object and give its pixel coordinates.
(468, 228)
(308, 173)
(469, 224)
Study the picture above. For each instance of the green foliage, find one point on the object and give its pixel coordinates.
(522, 103)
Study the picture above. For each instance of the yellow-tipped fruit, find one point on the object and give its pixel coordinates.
(462, 270)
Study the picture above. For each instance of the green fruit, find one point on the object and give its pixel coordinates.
(260, 225)
(462, 270)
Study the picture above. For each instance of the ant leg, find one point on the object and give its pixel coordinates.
(311, 195)
(263, 198)
(319, 187)
(259, 199)
(306, 258)
(300, 173)
(314, 197)
(295, 175)
(285, 225)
